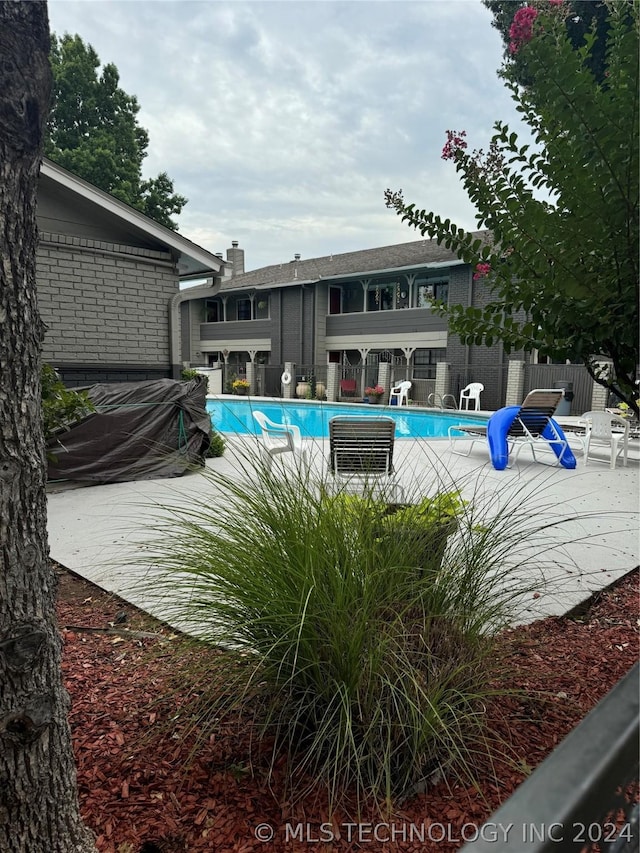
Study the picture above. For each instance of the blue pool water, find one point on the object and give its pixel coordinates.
(229, 414)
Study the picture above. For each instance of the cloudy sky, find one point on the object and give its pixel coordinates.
(284, 122)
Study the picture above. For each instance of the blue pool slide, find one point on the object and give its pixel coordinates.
(498, 427)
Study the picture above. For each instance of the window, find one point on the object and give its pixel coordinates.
(243, 309)
(352, 298)
(402, 294)
(428, 290)
(262, 307)
(425, 360)
(335, 300)
(380, 297)
(212, 311)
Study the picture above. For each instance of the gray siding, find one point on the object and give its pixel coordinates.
(403, 322)
(308, 322)
(276, 321)
(104, 303)
(63, 211)
(186, 350)
(320, 328)
(292, 325)
(235, 330)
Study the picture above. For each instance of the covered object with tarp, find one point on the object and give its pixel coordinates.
(139, 431)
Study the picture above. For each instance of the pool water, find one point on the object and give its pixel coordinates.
(235, 415)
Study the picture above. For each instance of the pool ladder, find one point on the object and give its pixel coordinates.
(443, 399)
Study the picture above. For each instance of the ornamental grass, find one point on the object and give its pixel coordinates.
(359, 635)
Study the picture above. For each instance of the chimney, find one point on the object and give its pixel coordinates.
(236, 257)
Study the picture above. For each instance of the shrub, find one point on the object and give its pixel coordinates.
(216, 445)
(61, 406)
(361, 635)
(190, 373)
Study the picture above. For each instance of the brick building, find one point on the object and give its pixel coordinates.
(107, 277)
(357, 309)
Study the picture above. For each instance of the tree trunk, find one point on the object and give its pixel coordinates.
(38, 800)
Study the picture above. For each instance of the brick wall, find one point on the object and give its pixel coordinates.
(106, 305)
(488, 365)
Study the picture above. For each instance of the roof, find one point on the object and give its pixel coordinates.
(192, 259)
(373, 261)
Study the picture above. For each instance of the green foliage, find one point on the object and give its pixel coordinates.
(563, 213)
(189, 373)
(580, 16)
(360, 635)
(240, 385)
(93, 131)
(61, 406)
(217, 445)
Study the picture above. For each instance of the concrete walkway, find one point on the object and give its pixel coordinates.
(583, 524)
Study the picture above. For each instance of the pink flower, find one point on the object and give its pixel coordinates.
(521, 30)
(556, 2)
(482, 270)
(455, 142)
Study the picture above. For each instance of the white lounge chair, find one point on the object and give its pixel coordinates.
(279, 438)
(361, 452)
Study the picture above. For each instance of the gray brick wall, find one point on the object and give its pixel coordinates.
(488, 365)
(81, 375)
(104, 303)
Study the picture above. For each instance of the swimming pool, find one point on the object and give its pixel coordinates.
(235, 415)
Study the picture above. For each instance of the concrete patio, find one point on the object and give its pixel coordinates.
(590, 517)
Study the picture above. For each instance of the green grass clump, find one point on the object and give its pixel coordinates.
(217, 445)
(360, 634)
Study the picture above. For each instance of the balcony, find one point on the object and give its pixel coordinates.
(236, 330)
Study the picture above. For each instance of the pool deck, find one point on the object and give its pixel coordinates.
(591, 515)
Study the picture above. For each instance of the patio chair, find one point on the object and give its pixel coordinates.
(514, 427)
(348, 387)
(605, 430)
(279, 438)
(471, 394)
(361, 453)
(399, 395)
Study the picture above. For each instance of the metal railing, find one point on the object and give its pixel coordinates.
(574, 800)
(423, 390)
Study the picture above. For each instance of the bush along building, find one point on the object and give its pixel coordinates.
(343, 322)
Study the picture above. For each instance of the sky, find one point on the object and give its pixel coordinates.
(284, 122)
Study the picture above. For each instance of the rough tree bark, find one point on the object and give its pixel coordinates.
(38, 799)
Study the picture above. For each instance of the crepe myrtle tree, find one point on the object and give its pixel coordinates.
(581, 17)
(38, 800)
(562, 262)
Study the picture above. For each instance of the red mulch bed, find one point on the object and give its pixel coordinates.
(141, 792)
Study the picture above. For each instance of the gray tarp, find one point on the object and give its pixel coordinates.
(140, 431)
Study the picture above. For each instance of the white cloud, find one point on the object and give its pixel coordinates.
(283, 122)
